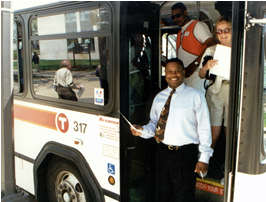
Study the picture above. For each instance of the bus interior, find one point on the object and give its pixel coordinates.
(146, 78)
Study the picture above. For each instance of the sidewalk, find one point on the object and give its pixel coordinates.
(18, 197)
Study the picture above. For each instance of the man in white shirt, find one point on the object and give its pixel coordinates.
(186, 146)
(63, 82)
(191, 43)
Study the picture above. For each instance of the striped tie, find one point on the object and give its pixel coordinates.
(159, 133)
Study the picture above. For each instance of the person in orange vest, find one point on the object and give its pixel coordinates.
(192, 40)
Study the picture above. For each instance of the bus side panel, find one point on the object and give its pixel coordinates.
(95, 137)
(249, 187)
(108, 199)
(24, 175)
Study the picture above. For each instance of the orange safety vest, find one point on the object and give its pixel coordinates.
(189, 42)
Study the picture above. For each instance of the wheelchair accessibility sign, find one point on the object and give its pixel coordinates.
(98, 96)
(111, 168)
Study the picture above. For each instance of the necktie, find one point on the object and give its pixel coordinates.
(159, 133)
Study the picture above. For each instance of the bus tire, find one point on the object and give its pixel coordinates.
(64, 183)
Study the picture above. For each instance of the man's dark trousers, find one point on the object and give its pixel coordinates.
(175, 173)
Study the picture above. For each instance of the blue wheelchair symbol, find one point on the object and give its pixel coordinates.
(111, 168)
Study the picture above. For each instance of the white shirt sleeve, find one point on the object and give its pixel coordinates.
(204, 130)
(149, 129)
(69, 79)
(55, 79)
(202, 32)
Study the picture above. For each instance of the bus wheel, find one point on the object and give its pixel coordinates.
(64, 183)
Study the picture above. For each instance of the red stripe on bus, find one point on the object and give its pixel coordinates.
(210, 188)
(35, 116)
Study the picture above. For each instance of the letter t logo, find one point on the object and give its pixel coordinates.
(62, 122)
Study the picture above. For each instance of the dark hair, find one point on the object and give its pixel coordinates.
(176, 60)
(180, 6)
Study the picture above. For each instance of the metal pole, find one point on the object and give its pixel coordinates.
(7, 146)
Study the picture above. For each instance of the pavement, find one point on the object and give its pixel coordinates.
(17, 197)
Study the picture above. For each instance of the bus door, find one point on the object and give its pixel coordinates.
(138, 85)
(247, 181)
(212, 187)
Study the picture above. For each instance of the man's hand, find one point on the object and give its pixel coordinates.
(201, 168)
(136, 132)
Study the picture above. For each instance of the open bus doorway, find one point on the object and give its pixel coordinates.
(210, 188)
(145, 78)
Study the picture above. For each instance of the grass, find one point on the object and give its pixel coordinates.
(79, 64)
(54, 64)
(15, 65)
(15, 55)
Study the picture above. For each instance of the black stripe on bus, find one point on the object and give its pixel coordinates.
(24, 157)
(111, 194)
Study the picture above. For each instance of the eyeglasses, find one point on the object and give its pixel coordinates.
(178, 15)
(225, 31)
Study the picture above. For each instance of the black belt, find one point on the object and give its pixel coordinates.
(176, 148)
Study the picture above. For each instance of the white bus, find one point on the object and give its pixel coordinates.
(83, 150)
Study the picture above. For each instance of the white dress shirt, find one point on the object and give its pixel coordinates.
(63, 76)
(188, 120)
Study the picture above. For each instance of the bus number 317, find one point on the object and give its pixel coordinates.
(80, 127)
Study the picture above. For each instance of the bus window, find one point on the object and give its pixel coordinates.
(17, 59)
(80, 37)
(169, 45)
(71, 22)
(141, 93)
(139, 73)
